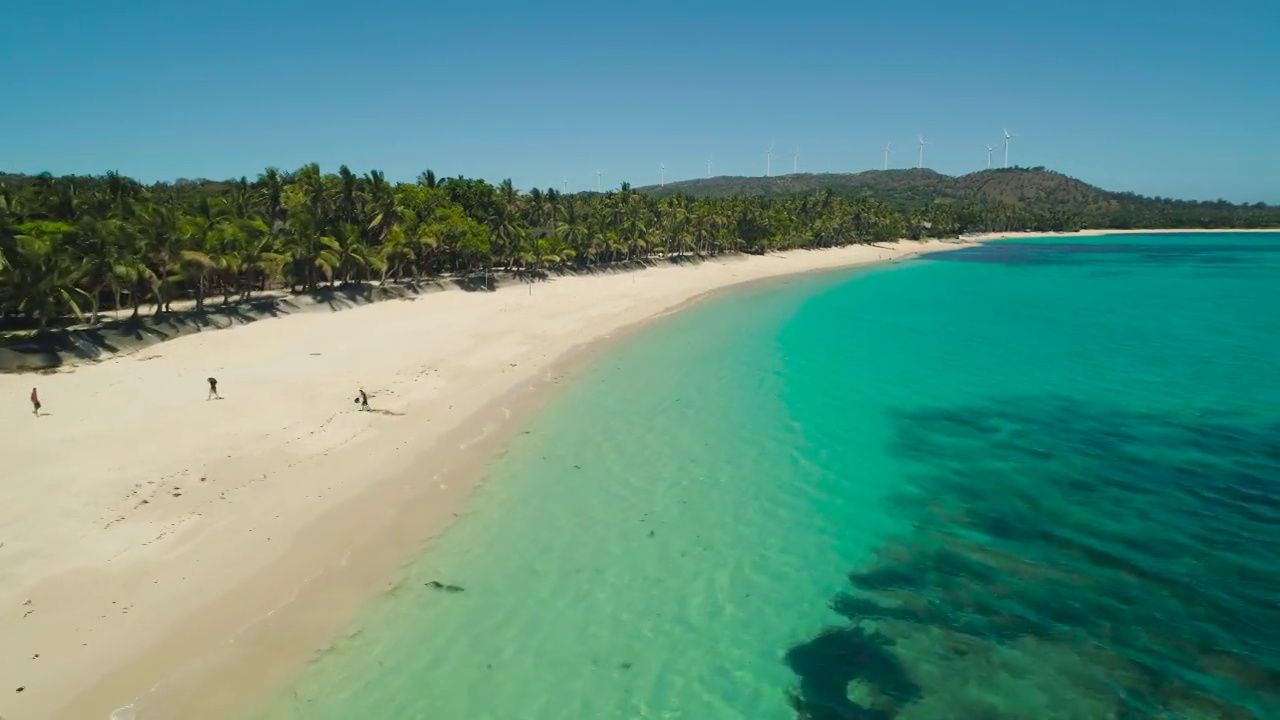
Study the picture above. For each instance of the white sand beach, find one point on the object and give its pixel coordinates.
(146, 531)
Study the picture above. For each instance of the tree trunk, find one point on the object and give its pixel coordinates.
(159, 301)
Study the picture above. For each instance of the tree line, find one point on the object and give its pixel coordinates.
(1037, 192)
(72, 247)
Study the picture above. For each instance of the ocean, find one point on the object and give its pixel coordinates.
(1031, 479)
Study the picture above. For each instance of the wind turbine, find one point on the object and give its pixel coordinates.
(1007, 136)
(709, 161)
(564, 184)
(598, 174)
(768, 163)
(990, 149)
(662, 174)
(887, 145)
(795, 162)
(920, 164)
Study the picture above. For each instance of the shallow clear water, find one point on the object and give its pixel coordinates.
(1023, 480)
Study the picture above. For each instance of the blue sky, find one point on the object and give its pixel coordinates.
(1173, 98)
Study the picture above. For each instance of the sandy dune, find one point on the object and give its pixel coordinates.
(143, 527)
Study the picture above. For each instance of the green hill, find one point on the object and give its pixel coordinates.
(1029, 190)
(922, 186)
(1035, 187)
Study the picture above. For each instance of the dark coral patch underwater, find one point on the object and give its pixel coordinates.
(1066, 561)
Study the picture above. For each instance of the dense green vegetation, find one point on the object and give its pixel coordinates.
(1036, 192)
(73, 246)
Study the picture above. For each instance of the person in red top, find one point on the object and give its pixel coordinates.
(35, 403)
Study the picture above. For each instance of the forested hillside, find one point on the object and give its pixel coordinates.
(73, 246)
(1033, 190)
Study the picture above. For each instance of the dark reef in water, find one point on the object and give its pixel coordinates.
(437, 585)
(1065, 562)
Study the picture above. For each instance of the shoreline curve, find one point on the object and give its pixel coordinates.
(253, 610)
(146, 533)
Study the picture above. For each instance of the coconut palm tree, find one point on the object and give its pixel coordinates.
(72, 244)
(47, 277)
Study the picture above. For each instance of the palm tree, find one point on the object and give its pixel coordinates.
(194, 252)
(507, 230)
(72, 245)
(47, 282)
(353, 256)
(248, 254)
(100, 248)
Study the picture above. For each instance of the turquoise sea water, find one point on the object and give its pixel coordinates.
(1023, 480)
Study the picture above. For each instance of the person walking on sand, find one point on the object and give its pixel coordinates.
(35, 402)
(213, 390)
(364, 400)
